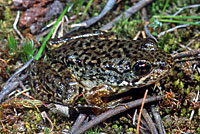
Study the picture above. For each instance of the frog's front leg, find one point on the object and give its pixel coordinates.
(94, 96)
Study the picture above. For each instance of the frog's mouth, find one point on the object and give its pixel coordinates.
(154, 76)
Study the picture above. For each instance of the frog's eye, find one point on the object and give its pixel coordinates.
(141, 68)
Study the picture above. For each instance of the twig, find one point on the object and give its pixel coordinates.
(143, 34)
(148, 33)
(149, 121)
(190, 43)
(78, 122)
(185, 47)
(45, 116)
(137, 35)
(15, 25)
(12, 83)
(145, 18)
(139, 117)
(174, 28)
(134, 117)
(186, 54)
(181, 9)
(129, 12)
(158, 121)
(78, 25)
(8, 88)
(48, 26)
(115, 111)
(56, 29)
(62, 28)
(108, 7)
(144, 15)
(143, 126)
(23, 92)
(196, 99)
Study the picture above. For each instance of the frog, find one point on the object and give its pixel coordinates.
(96, 65)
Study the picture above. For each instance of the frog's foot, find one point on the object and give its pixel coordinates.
(95, 97)
(62, 110)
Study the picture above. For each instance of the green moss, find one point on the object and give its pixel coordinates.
(197, 45)
(197, 87)
(126, 28)
(183, 112)
(93, 131)
(197, 77)
(187, 91)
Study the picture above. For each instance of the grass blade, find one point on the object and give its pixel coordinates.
(178, 17)
(50, 33)
(180, 22)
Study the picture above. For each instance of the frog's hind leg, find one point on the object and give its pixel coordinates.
(53, 86)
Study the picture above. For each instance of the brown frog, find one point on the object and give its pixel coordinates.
(95, 66)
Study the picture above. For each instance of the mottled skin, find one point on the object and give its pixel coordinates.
(96, 66)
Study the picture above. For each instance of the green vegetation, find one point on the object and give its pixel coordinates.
(93, 131)
(25, 52)
(127, 28)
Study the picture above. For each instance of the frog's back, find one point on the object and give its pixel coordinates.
(114, 62)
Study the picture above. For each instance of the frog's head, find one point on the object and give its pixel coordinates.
(152, 65)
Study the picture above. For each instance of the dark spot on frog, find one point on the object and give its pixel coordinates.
(86, 58)
(119, 81)
(79, 62)
(91, 64)
(93, 58)
(107, 55)
(102, 78)
(128, 55)
(100, 47)
(135, 52)
(98, 70)
(69, 62)
(119, 55)
(75, 53)
(88, 54)
(76, 68)
(93, 48)
(115, 45)
(130, 45)
(98, 62)
(114, 52)
(110, 49)
(121, 62)
(121, 45)
(61, 68)
(80, 45)
(104, 52)
(125, 50)
(87, 44)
